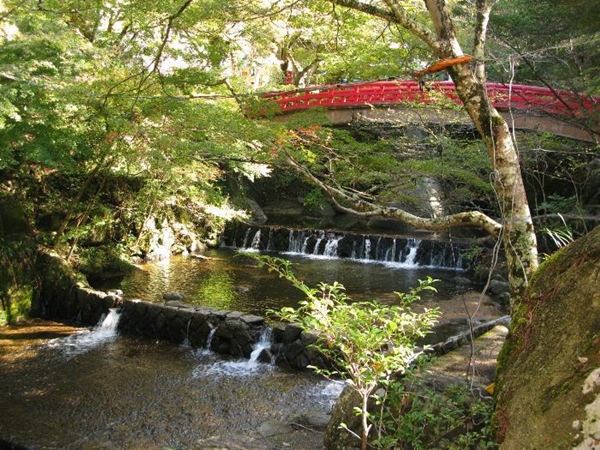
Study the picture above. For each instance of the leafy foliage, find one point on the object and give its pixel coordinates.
(421, 417)
(550, 41)
(367, 342)
(17, 259)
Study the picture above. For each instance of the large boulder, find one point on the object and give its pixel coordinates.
(547, 395)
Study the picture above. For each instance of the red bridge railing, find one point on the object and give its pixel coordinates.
(503, 97)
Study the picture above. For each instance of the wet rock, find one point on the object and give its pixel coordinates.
(498, 287)
(252, 320)
(173, 296)
(241, 288)
(272, 428)
(292, 351)
(337, 438)
(177, 304)
(301, 362)
(233, 337)
(265, 356)
(504, 298)
(199, 256)
(234, 315)
(291, 333)
(308, 339)
(462, 281)
(313, 418)
(115, 300)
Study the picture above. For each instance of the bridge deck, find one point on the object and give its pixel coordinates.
(546, 109)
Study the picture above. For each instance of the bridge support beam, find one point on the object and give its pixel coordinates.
(519, 119)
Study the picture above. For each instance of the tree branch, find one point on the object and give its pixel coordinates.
(444, 27)
(484, 8)
(395, 14)
(363, 208)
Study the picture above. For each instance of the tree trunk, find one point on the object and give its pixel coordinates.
(518, 234)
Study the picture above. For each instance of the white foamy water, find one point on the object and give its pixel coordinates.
(83, 341)
(235, 368)
(240, 367)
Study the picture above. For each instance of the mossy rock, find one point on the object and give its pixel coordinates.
(553, 346)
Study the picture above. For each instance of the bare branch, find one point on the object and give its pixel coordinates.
(484, 8)
(167, 33)
(363, 208)
(395, 14)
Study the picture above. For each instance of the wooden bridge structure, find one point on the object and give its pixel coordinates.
(525, 107)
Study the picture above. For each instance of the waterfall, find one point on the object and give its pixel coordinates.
(318, 243)
(297, 242)
(255, 241)
(412, 246)
(186, 341)
(245, 241)
(392, 256)
(331, 247)
(206, 351)
(270, 245)
(241, 367)
(405, 252)
(264, 342)
(367, 249)
(81, 342)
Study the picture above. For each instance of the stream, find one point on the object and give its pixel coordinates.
(72, 388)
(88, 389)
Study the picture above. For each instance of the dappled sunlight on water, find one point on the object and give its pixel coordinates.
(139, 393)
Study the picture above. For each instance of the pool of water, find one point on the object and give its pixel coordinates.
(227, 280)
(92, 389)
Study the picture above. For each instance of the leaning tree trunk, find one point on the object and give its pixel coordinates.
(518, 234)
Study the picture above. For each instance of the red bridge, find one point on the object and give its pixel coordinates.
(529, 107)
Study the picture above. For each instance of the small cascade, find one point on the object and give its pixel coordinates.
(264, 342)
(240, 368)
(405, 252)
(245, 241)
(411, 247)
(297, 241)
(390, 254)
(367, 255)
(206, 351)
(78, 343)
(186, 341)
(318, 243)
(255, 241)
(331, 247)
(270, 245)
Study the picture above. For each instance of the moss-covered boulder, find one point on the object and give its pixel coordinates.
(544, 395)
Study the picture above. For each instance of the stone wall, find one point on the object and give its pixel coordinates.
(225, 332)
(65, 295)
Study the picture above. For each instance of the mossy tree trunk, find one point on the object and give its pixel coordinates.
(517, 230)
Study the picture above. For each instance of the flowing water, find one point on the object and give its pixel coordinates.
(93, 389)
(88, 391)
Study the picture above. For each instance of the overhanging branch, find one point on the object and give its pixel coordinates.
(363, 208)
(395, 14)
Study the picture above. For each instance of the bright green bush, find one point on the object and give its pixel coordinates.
(367, 342)
(412, 415)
